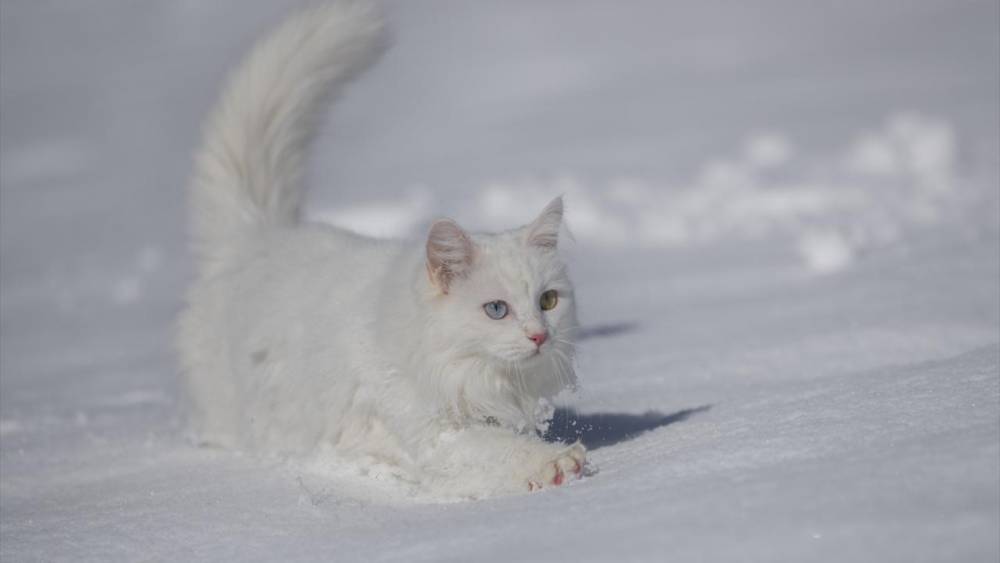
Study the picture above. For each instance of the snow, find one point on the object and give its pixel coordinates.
(787, 255)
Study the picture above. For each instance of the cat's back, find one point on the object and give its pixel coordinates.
(314, 267)
(286, 323)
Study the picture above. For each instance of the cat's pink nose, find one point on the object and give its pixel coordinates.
(539, 338)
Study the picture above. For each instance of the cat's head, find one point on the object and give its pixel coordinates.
(505, 297)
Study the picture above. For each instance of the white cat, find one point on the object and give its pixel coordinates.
(431, 356)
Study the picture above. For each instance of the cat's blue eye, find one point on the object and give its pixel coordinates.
(496, 309)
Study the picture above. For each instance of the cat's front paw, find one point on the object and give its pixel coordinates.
(568, 464)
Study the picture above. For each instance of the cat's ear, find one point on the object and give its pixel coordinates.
(449, 253)
(543, 232)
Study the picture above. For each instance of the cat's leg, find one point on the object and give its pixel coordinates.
(567, 464)
(492, 459)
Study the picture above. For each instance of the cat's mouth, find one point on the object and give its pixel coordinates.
(522, 356)
(519, 354)
(535, 353)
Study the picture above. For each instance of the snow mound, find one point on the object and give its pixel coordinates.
(885, 183)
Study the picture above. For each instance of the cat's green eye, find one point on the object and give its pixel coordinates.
(549, 300)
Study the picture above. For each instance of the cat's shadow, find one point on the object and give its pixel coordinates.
(597, 430)
(606, 330)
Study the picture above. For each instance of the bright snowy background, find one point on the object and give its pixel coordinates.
(786, 222)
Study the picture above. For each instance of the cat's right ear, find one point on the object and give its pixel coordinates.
(543, 232)
(449, 253)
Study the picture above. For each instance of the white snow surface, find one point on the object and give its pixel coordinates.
(787, 254)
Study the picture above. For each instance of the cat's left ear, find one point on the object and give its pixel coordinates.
(449, 253)
(543, 232)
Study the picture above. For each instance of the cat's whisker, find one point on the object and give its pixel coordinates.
(558, 368)
(566, 368)
(569, 343)
(520, 378)
(555, 369)
(515, 378)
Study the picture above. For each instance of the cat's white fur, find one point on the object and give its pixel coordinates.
(302, 336)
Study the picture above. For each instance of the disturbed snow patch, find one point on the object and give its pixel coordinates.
(366, 479)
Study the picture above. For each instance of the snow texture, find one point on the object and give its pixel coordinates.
(787, 256)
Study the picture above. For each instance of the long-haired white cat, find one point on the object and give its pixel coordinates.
(430, 356)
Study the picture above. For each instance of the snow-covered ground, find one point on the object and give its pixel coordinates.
(787, 253)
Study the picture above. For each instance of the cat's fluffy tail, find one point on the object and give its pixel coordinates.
(250, 165)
